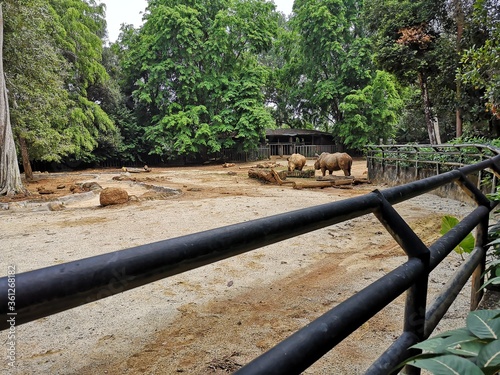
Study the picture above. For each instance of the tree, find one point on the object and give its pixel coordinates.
(422, 43)
(79, 29)
(284, 62)
(407, 34)
(336, 57)
(480, 65)
(35, 71)
(197, 81)
(53, 53)
(371, 114)
(10, 177)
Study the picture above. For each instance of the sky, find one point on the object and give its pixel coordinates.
(130, 12)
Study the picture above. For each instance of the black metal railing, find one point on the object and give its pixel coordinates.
(50, 290)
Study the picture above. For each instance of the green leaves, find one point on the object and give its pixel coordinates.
(335, 57)
(447, 365)
(474, 349)
(490, 355)
(467, 244)
(371, 113)
(483, 325)
(197, 78)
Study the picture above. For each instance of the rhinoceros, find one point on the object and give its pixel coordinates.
(296, 161)
(334, 162)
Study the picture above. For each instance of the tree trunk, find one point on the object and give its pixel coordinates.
(28, 172)
(430, 120)
(460, 19)
(10, 177)
(458, 115)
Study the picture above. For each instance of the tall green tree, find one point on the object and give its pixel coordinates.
(283, 91)
(10, 178)
(35, 72)
(80, 29)
(53, 53)
(408, 32)
(197, 81)
(336, 57)
(371, 114)
(420, 42)
(480, 65)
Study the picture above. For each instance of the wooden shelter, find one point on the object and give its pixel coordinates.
(303, 141)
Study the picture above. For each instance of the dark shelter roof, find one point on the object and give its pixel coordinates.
(295, 132)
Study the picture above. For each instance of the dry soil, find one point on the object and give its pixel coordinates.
(213, 319)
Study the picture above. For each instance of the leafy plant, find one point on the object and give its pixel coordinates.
(467, 244)
(474, 349)
(492, 270)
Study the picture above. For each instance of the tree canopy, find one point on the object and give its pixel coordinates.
(197, 81)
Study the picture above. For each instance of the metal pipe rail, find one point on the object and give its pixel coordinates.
(419, 155)
(50, 290)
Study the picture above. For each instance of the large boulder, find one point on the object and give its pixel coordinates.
(110, 196)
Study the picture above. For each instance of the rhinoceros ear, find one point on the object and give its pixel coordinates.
(316, 155)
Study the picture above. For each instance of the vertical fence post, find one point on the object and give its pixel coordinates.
(477, 278)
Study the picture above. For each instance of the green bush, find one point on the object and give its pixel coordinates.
(474, 349)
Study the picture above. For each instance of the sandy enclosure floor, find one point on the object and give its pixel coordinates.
(213, 319)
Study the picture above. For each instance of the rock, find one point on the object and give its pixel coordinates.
(45, 191)
(124, 177)
(75, 189)
(61, 186)
(110, 196)
(91, 186)
(55, 206)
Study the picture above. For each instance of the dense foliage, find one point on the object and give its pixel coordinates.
(197, 79)
(201, 76)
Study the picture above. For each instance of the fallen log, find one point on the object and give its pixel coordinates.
(307, 173)
(269, 176)
(136, 170)
(264, 175)
(346, 187)
(262, 165)
(331, 177)
(273, 177)
(358, 181)
(313, 185)
(344, 180)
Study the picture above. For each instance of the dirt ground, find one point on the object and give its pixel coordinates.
(214, 319)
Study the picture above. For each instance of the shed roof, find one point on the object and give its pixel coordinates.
(295, 132)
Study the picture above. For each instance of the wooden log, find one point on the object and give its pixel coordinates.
(136, 170)
(262, 165)
(312, 185)
(307, 173)
(280, 178)
(342, 182)
(358, 181)
(331, 177)
(269, 176)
